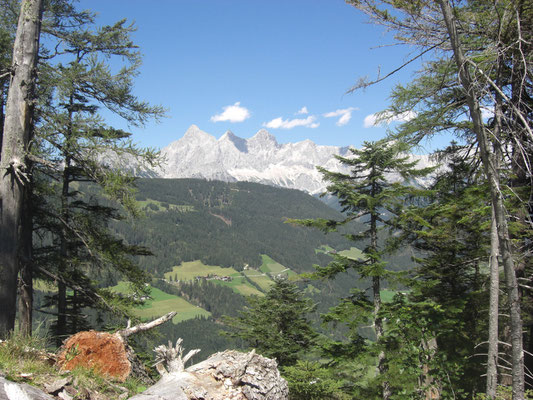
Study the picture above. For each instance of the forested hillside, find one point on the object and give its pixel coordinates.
(226, 224)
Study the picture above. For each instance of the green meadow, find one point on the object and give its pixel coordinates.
(261, 278)
(272, 267)
(161, 207)
(188, 271)
(162, 303)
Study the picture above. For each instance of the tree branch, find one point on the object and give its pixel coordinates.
(363, 84)
(146, 326)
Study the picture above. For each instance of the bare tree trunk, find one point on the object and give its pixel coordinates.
(497, 202)
(26, 271)
(61, 323)
(492, 361)
(13, 166)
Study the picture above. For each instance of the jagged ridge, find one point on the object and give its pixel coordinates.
(257, 159)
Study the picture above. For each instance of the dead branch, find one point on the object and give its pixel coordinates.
(363, 84)
(124, 333)
(170, 359)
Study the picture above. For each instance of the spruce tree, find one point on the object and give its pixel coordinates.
(487, 46)
(276, 325)
(369, 195)
(448, 227)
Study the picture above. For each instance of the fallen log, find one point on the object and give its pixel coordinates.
(107, 353)
(20, 391)
(226, 375)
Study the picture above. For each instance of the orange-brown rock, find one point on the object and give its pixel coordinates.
(104, 352)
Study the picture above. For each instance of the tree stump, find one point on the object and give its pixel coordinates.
(226, 375)
(107, 353)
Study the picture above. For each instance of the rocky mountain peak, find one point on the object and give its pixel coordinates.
(196, 134)
(263, 138)
(238, 142)
(257, 159)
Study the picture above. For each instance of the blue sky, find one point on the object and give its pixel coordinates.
(243, 65)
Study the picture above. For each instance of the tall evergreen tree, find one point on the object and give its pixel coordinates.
(85, 150)
(448, 226)
(368, 194)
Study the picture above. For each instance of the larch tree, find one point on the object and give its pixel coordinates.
(14, 181)
(82, 150)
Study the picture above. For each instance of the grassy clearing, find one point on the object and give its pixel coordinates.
(160, 206)
(272, 267)
(324, 249)
(162, 303)
(388, 294)
(240, 285)
(188, 271)
(354, 253)
(260, 278)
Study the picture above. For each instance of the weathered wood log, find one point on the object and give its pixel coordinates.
(107, 353)
(227, 375)
(20, 391)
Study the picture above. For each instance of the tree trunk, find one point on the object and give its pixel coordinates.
(26, 272)
(492, 361)
(13, 167)
(497, 202)
(61, 323)
(376, 292)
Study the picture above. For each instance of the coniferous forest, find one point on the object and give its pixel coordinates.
(437, 301)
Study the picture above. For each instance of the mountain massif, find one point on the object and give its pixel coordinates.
(257, 159)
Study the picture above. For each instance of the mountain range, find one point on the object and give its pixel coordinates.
(259, 159)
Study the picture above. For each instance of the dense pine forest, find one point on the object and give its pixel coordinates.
(407, 292)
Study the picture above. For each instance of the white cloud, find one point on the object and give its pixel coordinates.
(387, 118)
(302, 110)
(280, 123)
(345, 115)
(233, 113)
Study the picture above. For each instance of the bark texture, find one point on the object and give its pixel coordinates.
(492, 359)
(14, 182)
(227, 375)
